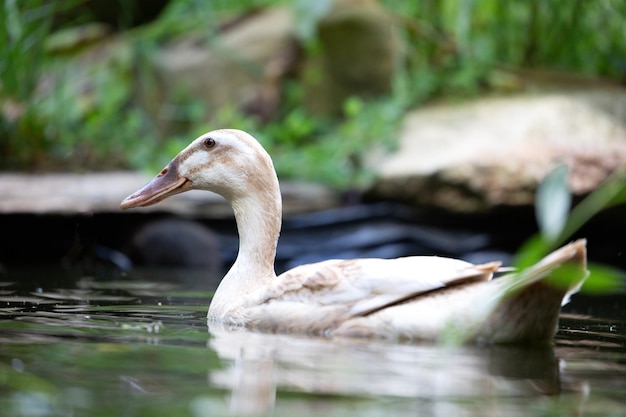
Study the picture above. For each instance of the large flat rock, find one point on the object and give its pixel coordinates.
(70, 193)
(493, 152)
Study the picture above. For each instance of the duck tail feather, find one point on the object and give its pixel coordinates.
(529, 302)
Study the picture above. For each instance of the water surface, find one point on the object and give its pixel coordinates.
(94, 347)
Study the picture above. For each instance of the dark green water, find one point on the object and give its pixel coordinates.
(133, 348)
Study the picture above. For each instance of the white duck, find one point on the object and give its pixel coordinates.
(414, 298)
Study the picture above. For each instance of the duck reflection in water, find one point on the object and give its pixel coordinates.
(443, 379)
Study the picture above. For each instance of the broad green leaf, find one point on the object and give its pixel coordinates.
(611, 193)
(553, 203)
(567, 276)
(604, 279)
(531, 252)
(551, 196)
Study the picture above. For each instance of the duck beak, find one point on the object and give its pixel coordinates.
(164, 185)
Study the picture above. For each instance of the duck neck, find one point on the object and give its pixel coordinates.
(258, 217)
(258, 225)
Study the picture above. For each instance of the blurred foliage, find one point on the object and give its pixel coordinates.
(557, 224)
(49, 120)
(467, 38)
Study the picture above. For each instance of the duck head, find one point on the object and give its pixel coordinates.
(228, 162)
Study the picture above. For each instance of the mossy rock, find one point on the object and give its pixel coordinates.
(358, 56)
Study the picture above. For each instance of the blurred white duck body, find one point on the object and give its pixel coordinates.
(414, 298)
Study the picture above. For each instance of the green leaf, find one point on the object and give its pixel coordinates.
(558, 227)
(604, 279)
(611, 193)
(553, 203)
(531, 252)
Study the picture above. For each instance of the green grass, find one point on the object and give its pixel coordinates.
(59, 114)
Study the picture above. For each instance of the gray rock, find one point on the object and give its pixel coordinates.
(70, 193)
(493, 152)
(241, 67)
(360, 51)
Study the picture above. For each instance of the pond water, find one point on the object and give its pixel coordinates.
(80, 346)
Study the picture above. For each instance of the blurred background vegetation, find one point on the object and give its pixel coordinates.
(78, 87)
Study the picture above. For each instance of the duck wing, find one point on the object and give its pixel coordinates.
(362, 286)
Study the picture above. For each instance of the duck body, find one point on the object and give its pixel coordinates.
(386, 299)
(411, 298)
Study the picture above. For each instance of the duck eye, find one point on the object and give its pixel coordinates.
(209, 143)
